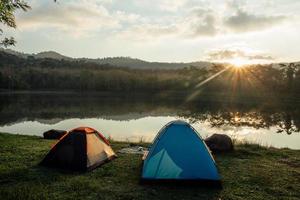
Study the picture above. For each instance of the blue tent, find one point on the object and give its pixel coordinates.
(179, 153)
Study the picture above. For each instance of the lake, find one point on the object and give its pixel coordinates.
(136, 117)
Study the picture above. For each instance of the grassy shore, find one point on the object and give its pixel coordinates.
(250, 172)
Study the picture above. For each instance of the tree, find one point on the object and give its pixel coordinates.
(7, 17)
(290, 71)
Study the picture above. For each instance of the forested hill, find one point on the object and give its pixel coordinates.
(113, 61)
(251, 83)
(18, 72)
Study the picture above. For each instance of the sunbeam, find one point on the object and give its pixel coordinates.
(211, 77)
(195, 93)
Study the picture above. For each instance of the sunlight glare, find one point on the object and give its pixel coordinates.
(239, 62)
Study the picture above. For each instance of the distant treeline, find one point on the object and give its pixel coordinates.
(18, 73)
(49, 74)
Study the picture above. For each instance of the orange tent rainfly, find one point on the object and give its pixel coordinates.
(81, 149)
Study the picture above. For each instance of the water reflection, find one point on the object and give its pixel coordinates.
(53, 107)
(140, 116)
(284, 118)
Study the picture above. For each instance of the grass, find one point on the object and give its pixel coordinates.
(250, 172)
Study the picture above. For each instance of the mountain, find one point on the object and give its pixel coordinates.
(120, 61)
(141, 64)
(16, 53)
(113, 61)
(51, 54)
(44, 54)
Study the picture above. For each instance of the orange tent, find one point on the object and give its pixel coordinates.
(81, 149)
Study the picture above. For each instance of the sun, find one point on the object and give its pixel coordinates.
(239, 62)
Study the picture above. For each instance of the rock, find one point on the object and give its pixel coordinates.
(219, 143)
(54, 134)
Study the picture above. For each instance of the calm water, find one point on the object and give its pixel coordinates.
(140, 117)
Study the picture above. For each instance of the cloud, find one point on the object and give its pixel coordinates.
(230, 54)
(197, 23)
(242, 21)
(87, 17)
(144, 20)
(143, 32)
(129, 18)
(75, 18)
(201, 22)
(171, 5)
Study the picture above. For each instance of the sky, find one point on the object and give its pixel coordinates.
(240, 31)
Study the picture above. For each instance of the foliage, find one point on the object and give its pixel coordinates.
(50, 74)
(252, 82)
(7, 17)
